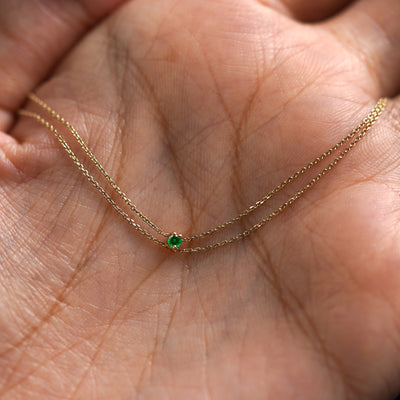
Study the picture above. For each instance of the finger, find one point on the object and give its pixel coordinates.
(33, 37)
(308, 10)
(371, 31)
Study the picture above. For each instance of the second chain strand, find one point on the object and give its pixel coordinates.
(366, 124)
(222, 226)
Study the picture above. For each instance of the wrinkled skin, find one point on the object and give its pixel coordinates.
(197, 108)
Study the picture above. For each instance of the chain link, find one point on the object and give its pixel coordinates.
(357, 134)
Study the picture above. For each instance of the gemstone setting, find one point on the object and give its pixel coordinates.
(174, 241)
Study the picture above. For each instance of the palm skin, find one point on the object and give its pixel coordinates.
(197, 109)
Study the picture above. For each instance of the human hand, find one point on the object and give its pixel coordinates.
(197, 109)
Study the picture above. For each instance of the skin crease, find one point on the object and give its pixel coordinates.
(197, 109)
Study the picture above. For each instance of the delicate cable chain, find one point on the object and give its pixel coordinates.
(214, 230)
(361, 130)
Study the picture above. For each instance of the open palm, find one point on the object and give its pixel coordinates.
(197, 108)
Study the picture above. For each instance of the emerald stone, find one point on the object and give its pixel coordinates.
(174, 241)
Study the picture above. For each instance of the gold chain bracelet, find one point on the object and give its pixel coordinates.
(174, 240)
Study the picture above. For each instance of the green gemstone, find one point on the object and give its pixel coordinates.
(174, 241)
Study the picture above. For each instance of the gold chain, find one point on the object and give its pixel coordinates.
(174, 240)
